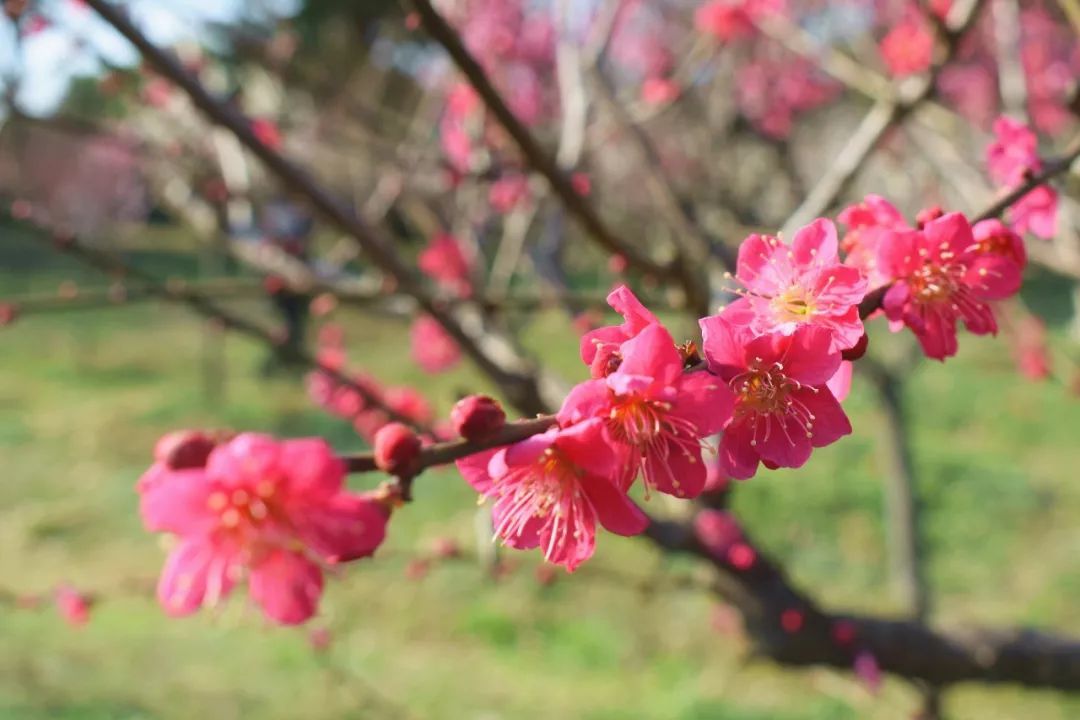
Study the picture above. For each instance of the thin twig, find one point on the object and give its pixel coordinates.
(534, 155)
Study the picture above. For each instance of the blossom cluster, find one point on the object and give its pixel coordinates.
(773, 369)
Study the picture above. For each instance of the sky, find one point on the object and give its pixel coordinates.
(76, 39)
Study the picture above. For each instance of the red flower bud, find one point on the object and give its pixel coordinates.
(718, 531)
(477, 417)
(445, 547)
(396, 448)
(319, 639)
(9, 312)
(792, 620)
(73, 605)
(417, 569)
(184, 449)
(857, 350)
(21, 209)
(844, 632)
(928, 215)
(741, 556)
(323, 304)
(273, 284)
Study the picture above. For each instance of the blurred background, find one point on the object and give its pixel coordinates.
(670, 126)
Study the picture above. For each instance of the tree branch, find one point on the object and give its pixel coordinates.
(492, 354)
(534, 155)
(887, 112)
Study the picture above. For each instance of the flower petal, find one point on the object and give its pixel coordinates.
(614, 509)
(198, 573)
(287, 586)
(346, 527)
(176, 501)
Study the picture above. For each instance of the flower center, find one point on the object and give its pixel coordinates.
(793, 305)
(636, 420)
(537, 490)
(548, 490)
(768, 399)
(762, 389)
(654, 432)
(240, 508)
(997, 244)
(933, 283)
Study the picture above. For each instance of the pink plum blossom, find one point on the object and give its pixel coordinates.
(508, 192)
(783, 406)
(732, 19)
(1013, 153)
(804, 284)
(655, 414)
(1000, 251)
(771, 92)
(432, 348)
(659, 90)
(445, 261)
(74, 606)
(551, 490)
(941, 276)
(1011, 158)
(1031, 349)
(273, 512)
(869, 223)
(908, 48)
(600, 347)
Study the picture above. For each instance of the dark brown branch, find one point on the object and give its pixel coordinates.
(903, 647)
(447, 452)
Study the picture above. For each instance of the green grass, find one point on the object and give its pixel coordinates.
(83, 397)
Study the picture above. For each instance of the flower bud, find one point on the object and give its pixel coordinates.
(792, 620)
(9, 312)
(927, 215)
(417, 569)
(857, 350)
(717, 531)
(396, 448)
(477, 417)
(184, 449)
(73, 605)
(445, 548)
(844, 632)
(319, 639)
